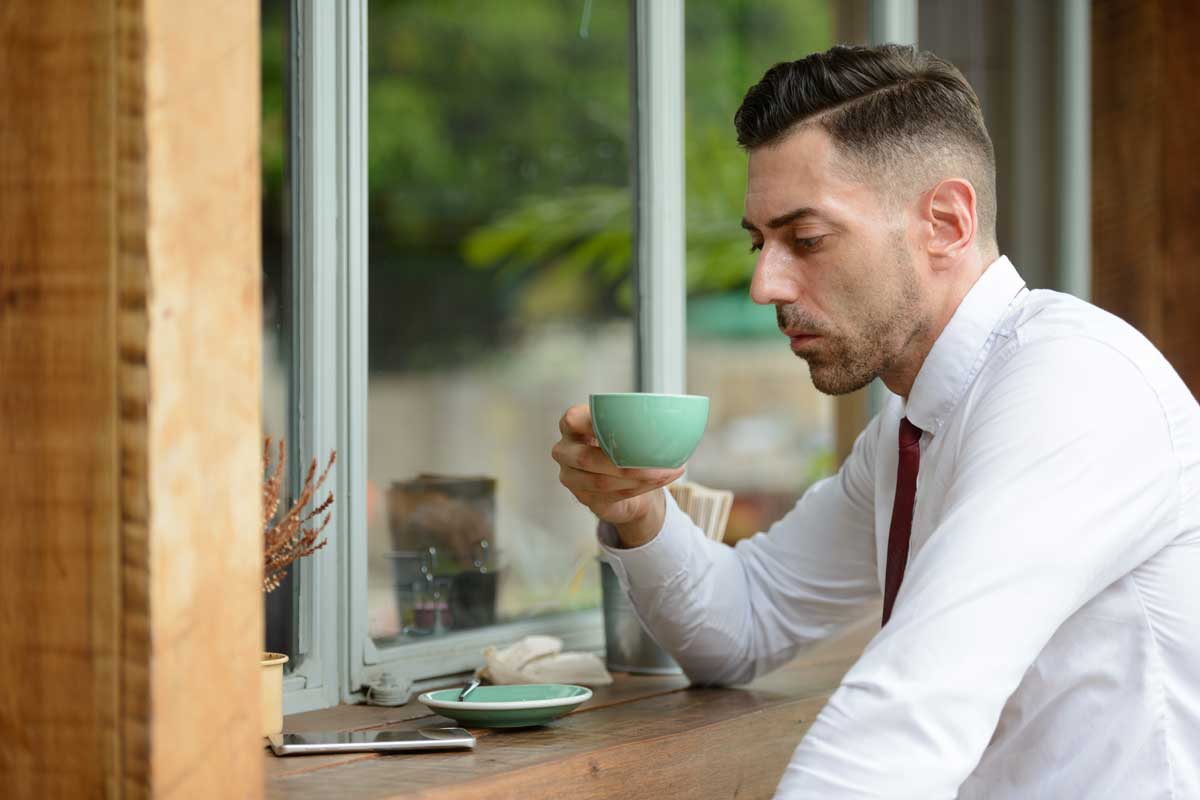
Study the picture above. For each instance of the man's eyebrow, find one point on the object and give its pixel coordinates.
(784, 219)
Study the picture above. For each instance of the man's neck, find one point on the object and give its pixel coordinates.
(901, 377)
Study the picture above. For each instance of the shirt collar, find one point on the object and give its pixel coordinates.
(958, 352)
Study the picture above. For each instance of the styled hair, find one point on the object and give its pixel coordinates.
(903, 118)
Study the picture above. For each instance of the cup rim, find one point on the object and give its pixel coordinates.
(648, 394)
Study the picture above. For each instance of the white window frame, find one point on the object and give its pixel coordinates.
(319, 200)
(1074, 148)
(338, 658)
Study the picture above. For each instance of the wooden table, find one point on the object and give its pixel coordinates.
(642, 737)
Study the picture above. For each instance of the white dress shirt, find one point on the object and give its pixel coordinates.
(1045, 642)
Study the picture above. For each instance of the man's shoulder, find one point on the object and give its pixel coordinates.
(1048, 315)
(1059, 332)
(1060, 352)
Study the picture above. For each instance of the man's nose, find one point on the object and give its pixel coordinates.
(775, 278)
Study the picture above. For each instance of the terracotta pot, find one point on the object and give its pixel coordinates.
(272, 692)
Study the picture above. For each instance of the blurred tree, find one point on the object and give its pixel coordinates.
(499, 158)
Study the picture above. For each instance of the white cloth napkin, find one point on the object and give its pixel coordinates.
(539, 659)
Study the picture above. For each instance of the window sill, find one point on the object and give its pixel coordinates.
(643, 736)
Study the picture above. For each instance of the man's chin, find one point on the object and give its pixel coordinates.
(835, 380)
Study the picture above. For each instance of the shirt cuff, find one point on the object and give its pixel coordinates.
(656, 561)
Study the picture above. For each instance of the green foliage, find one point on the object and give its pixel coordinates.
(499, 156)
(585, 231)
(274, 115)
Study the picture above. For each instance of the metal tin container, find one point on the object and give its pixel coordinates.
(628, 647)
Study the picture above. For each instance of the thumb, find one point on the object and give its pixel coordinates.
(576, 424)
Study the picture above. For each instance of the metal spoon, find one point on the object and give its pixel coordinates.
(470, 687)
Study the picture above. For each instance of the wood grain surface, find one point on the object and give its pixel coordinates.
(130, 610)
(203, 351)
(59, 578)
(643, 737)
(1145, 176)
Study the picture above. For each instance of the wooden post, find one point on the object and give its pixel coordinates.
(850, 416)
(1146, 181)
(130, 608)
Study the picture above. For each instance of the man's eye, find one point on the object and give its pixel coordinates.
(755, 246)
(809, 244)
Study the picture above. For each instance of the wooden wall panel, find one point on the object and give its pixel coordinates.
(133, 392)
(204, 309)
(851, 413)
(130, 613)
(59, 607)
(1181, 188)
(1146, 180)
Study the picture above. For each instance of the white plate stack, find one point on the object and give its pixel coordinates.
(708, 508)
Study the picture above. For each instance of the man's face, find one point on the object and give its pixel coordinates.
(834, 259)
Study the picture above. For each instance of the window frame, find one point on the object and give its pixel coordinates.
(659, 331)
(337, 656)
(319, 200)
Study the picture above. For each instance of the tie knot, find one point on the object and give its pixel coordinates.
(909, 434)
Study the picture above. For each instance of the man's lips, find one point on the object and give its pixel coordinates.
(801, 338)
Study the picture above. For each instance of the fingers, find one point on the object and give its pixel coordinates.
(588, 473)
(591, 475)
(592, 460)
(584, 457)
(576, 424)
(608, 485)
(580, 450)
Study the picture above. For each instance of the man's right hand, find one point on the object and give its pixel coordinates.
(627, 498)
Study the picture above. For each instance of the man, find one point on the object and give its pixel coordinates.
(1026, 502)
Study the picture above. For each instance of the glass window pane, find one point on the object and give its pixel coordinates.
(277, 285)
(770, 432)
(500, 294)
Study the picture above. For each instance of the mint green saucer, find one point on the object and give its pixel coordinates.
(519, 706)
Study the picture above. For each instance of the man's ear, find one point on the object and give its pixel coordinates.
(951, 217)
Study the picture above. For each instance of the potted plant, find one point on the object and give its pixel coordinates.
(285, 539)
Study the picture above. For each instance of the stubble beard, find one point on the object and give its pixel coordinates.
(848, 362)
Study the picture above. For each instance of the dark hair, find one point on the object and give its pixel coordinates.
(902, 113)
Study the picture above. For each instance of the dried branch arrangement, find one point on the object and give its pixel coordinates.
(288, 539)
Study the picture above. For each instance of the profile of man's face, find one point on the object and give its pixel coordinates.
(833, 258)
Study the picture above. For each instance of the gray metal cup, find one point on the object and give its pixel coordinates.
(628, 647)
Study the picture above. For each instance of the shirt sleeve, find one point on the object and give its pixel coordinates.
(728, 614)
(1065, 480)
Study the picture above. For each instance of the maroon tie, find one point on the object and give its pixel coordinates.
(902, 512)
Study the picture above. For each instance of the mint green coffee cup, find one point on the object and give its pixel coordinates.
(643, 430)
